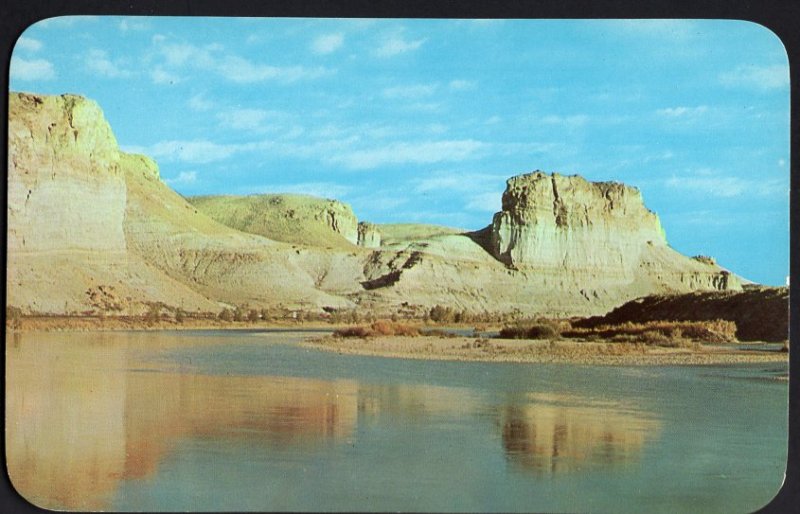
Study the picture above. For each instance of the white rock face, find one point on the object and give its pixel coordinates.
(340, 218)
(554, 221)
(61, 147)
(368, 235)
(599, 229)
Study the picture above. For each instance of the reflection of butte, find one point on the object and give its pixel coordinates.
(551, 435)
(77, 424)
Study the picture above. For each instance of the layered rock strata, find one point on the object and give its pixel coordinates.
(557, 222)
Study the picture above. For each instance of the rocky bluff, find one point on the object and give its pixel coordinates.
(559, 221)
(93, 229)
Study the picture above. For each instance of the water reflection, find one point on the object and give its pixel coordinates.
(554, 434)
(87, 411)
(77, 424)
(412, 403)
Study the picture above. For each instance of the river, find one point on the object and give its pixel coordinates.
(249, 420)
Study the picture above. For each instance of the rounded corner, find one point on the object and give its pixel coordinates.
(774, 502)
(15, 495)
(760, 26)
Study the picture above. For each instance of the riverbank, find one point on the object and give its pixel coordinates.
(541, 351)
(122, 323)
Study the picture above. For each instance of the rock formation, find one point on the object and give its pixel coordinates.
(66, 207)
(369, 236)
(556, 222)
(553, 221)
(93, 229)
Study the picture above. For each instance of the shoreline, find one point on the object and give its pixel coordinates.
(96, 323)
(435, 347)
(467, 349)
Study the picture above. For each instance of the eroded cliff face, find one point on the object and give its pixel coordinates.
(567, 222)
(554, 222)
(61, 147)
(67, 197)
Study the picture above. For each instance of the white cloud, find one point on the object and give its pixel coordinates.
(477, 183)
(575, 120)
(327, 43)
(200, 103)
(318, 189)
(709, 183)
(485, 202)
(408, 153)
(459, 84)
(161, 76)
(240, 70)
(183, 178)
(670, 29)
(211, 58)
(396, 45)
(682, 112)
(28, 44)
(411, 91)
(33, 69)
(764, 78)
(243, 119)
(196, 151)
(98, 63)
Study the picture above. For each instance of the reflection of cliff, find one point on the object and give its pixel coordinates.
(74, 431)
(551, 435)
(412, 402)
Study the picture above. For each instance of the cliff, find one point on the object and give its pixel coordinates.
(67, 250)
(93, 229)
(556, 222)
(559, 221)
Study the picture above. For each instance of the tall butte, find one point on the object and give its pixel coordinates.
(552, 222)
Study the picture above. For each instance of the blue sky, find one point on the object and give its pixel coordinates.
(424, 120)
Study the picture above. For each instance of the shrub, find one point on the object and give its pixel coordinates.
(153, 313)
(378, 328)
(252, 315)
(226, 315)
(542, 329)
(238, 314)
(654, 337)
(357, 331)
(441, 314)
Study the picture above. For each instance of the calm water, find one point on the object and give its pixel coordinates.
(249, 421)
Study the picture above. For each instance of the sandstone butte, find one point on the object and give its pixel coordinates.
(92, 229)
